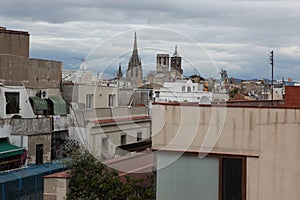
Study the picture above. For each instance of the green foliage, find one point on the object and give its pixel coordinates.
(233, 92)
(90, 179)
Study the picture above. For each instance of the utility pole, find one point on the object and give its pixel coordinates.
(272, 65)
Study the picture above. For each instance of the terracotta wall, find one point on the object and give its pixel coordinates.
(292, 96)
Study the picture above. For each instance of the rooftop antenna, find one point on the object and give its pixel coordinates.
(272, 65)
(83, 65)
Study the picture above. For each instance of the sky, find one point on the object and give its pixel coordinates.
(236, 35)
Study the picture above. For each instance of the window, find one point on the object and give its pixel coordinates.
(12, 102)
(139, 136)
(39, 154)
(189, 89)
(157, 93)
(212, 177)
(89, 101)
(111, 100)
(123, 139)
(183, 88)
(104, 146)
(233, 178)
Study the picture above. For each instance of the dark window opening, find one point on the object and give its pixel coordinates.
(111, 100)
(189, 89)
(232, 178)
(39, 154)
(12, 102)
(139, 136)
(123, 139)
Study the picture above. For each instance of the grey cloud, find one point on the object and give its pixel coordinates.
(237, 34)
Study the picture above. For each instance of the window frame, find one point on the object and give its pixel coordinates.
(9, 108)
(244, 174)
(122, 138)
(139, 136)
(111, 100)
(89, 101)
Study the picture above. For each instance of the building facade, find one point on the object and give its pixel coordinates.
(233, 152)
(98, 122)
(31, 109)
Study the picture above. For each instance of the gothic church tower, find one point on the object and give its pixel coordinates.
(176, 64)
(134, 73)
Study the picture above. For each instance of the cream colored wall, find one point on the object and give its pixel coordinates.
(83, 90)
(55, 188)
(102, 94)
(77, 94)
(270, 134)
(113, 134)
(33, 140)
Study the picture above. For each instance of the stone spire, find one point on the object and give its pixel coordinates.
(119, 73)
(134, 71)
(134, 60)
(135, 43)
(175, 53)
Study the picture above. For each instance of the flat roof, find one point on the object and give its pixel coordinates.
(4, 30)
(63, 174)
(224, 104)
(122, 120)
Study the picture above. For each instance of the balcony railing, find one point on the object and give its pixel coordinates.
(30, 126)
(115, 113)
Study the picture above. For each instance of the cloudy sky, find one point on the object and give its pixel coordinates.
(236, 35)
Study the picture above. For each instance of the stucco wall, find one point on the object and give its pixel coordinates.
(55, 188)
(268, 136)
(25, 107)
(113, 134)
(14, 42)
(31, 73)
(78, 93)
(39, 139)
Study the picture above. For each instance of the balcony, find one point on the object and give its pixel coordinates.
(33, 126)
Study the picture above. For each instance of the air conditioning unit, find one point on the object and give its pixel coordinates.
(43, 94)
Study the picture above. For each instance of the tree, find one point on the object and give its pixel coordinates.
(233, 92)
(90, 179)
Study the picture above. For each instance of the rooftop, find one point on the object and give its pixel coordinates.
(4, 30)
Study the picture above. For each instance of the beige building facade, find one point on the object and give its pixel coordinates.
(264, 142)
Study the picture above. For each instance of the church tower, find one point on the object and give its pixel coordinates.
(176, 64)
(119, 73)
(162, 63)
(134, 73)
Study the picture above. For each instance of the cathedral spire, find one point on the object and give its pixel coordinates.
(119, 73)
(175, 53)
(135, 43)
(134, 71)
(134, 60)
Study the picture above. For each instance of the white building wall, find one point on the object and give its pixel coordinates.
(25, 107)
(182, 91)
(113, 134)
